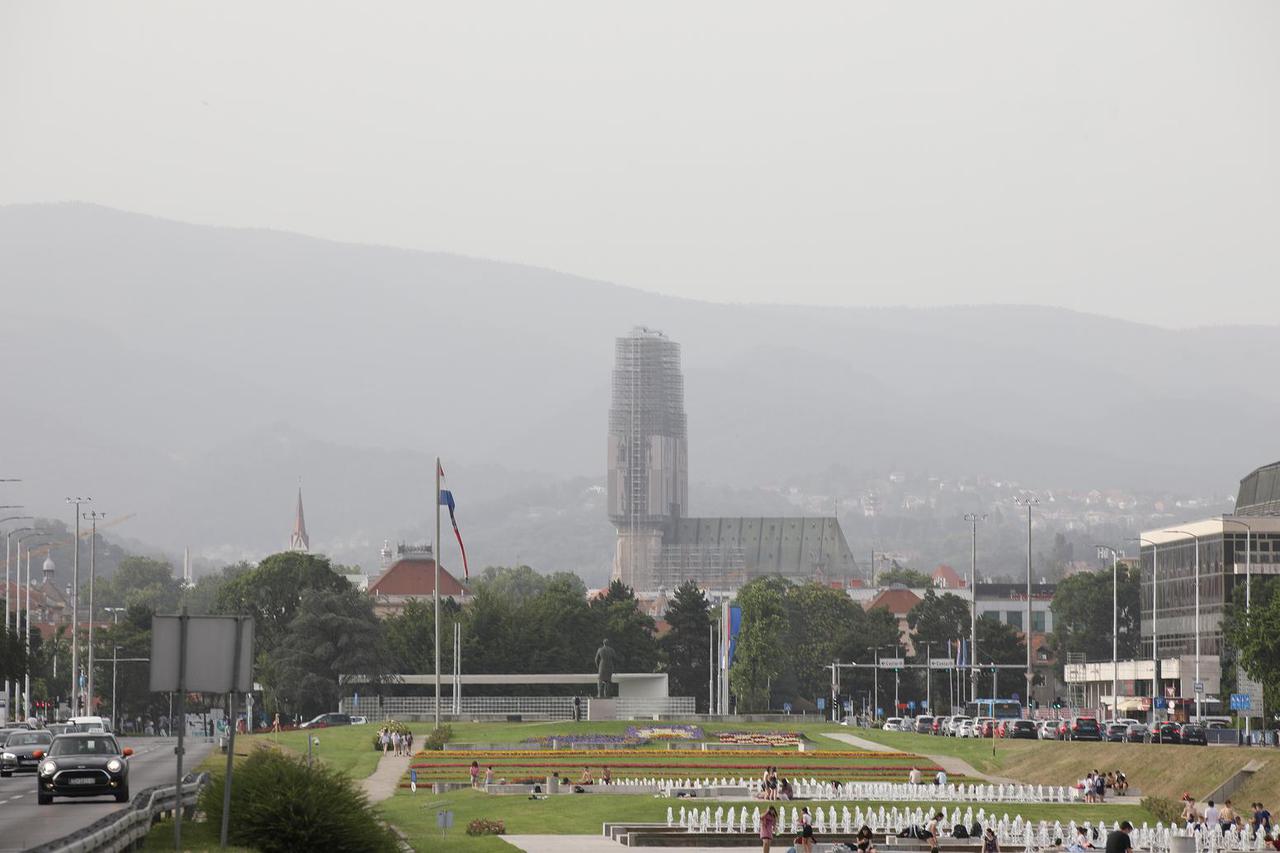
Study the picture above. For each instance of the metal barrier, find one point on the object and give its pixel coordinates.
(551, 707)
(127, 827)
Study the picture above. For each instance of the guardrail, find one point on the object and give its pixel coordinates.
(123, 829)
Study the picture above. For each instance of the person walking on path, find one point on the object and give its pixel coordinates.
(275, 723)
(475, 774)
(806, 830)
(768, 823)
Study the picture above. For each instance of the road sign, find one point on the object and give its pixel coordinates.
(1199, 686)
(941, 663)
(822, 704)
(1161, 703)
(879, 712)
(892, 663)
(912, 704)
(1240, 702)
(1016, 697)
(786, 707)
(848, 707)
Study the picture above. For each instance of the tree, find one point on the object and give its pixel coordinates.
(822, 626)
(629, 629)
(687, 645)
(411, 635)
(13, 655)
(1082, 614)
(139, 581)
(938, 619)
(906, 577)
(1000, 643)
(202, 597)
(1257, 638)
(334, 633)
(273, 592)
(759, 656)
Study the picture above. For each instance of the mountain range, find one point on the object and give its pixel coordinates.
(192, 375)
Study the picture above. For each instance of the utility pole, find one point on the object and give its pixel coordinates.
(75, 609)
(92, 516)
(1028, 503)
(1115, 628)
(115, 658)
(435, 594)
(973, 518)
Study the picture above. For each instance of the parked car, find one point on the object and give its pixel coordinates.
(1167, 733)
(19, 752)
(924, 724)
(989, 727)
(1061, 732)
(1084, 728)
(360, 721)
(939, 726)
(324, 721)
(1137, 733)
(956, 724)
(83, 765)
(1194, 734)
(1020, 729)
(1116, 732)
(893, 724)
(965, 729)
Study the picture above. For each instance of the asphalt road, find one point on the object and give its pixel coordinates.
(24, 824)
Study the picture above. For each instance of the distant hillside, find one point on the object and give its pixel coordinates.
(190, 374)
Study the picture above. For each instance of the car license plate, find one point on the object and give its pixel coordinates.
(81, 780)
(26, 761)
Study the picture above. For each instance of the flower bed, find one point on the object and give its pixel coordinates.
(675, 731)
(484, 826)
(693, 756)
(587, 740)
(761, 738)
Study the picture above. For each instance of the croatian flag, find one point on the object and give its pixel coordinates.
(446, 499)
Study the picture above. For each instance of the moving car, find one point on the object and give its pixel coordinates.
(83, 765)
(1137, 733)
(90, 724)
(1194, 734)
(18, 754)
(1084, 728)
(1116, 732)
(1022, 729)
(324, 721)
(1167, 733)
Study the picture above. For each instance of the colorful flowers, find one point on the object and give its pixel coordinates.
(674, 731)
(485, 826)
(761, 738)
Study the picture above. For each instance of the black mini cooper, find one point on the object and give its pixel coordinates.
(88, 764)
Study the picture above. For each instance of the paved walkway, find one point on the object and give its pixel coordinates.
(383, 782)
(586, 844)
(949, 763)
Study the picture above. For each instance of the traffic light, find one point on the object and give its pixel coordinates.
(1057, 703)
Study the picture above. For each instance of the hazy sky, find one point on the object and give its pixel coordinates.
(1119, 158)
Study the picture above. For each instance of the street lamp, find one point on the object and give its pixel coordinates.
(1199, 685)
(1115, 627)
(75, 610)
(115, 655)
(1028, 503)
(973, 518)
(92, 516)
(1155, 598)
(33, 534)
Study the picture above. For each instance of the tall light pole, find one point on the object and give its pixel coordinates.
(34, 533)
(1115, 627)
(4, 718)
(92, 516)
(435, 592)
(1248, 554)
(1198, 685)
(1155, 593)
(1028, 503)
(115, 657)
(75, 610)
(973, 518)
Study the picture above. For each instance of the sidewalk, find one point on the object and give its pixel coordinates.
(949, 763)
(382, 783)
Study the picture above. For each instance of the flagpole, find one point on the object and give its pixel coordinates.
(436, 592)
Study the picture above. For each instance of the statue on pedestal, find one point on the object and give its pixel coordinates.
(604, 669)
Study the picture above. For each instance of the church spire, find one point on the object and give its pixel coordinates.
(299, 541)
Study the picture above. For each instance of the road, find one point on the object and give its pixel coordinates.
(24, 824)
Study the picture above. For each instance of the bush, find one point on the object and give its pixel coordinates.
(1163, 809)
(484, 826)
(438, 738)
(389, 726)
(278, 804)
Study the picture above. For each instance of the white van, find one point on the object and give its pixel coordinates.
(91, 724)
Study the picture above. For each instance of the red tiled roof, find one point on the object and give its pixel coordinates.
(896, 601)
(948, 576)
(412, 576)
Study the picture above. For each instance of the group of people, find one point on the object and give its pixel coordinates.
(401, 742)
(864, 841)
(1095, 785)
(475, 775)
(915, 777)
(774, 788)
(1225, 817)
(769, 827)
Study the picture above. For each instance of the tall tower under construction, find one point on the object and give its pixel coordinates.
(648, 452)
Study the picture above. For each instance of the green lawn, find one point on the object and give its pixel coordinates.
(415, 814)
(976, 751)
(348, 749)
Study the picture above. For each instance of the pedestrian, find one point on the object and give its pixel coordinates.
(915, 777)
(586, 777)
(606, 777)
(1082, 842)
(475, 774)
(1189, 816)
(1211, 814)
(488, 775)
(932, 829)
(806, 830)
(408, 742)
(768, 823)
(1118, 839)
(1227, 816)
(989, 842)
(941, 778)
(577, 709)
(275, 723)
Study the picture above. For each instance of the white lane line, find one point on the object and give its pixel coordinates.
(17, 796)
